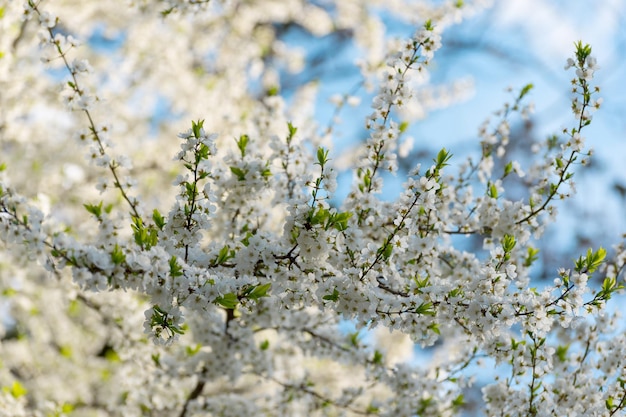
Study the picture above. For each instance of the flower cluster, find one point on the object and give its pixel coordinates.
(255, 292)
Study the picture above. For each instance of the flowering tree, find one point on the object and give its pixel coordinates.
(229, 293)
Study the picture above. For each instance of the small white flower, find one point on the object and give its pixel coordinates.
(47, 20)
(80, 65)
(511, 271)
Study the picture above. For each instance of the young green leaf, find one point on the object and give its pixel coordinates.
(239, 173)
(117, 255)
(96, 210)
(259, 291)
(242, 143)
(175, 269)
(229, 301)
(332, 297)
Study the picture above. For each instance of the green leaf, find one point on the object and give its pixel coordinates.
(196, 127)
(595, 259)
(590, 262)
(434, 327)
(442, 158)
(424, 404)
(144, 237)
(260, 291)
(561, 352)
(319, 216)
(322, 156)
(367, 179)
(117, 255)
(242, 142)
(455, 293)
(246, 239)
(292, 130)
(239, 173)
(9, 292)
(175, 269)
(224, 255)
(192, 350)
(559, 163)
(493, 191)
(17, 390)
(422, 283)
(340, 220)
(266, 172)
(332, 297)
(202, 152)
(525, 91)
(159, 221)
(609, 284)
(190, 190)
(508, 168)
(425, 309)
(531, 256)
(229, 301)
(386, 250)
(273, 91)
(508, 243)
(579, 264)
(553, 188)
(96, 210)
(65, 351)
(582, 51)
(609, 403)
(354, 338)
(458, 401)
(158, 310)
(111, 355)
(264, 345)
